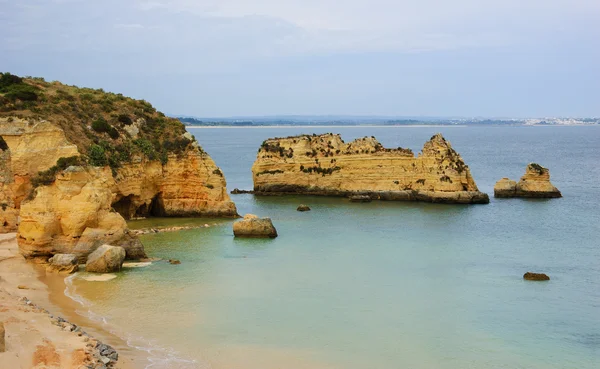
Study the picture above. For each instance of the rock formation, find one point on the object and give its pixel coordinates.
(303, 207)
(105, 259)
(63, 263)
(72, 172)
(325, 165)
(535, 276)
(535, 183)
(253, 226)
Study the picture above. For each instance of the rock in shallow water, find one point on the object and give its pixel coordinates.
(536, 277)
(63, 263)
(303, 208)
(106, 259)
(253, 226)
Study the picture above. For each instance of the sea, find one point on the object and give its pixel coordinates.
(381, 285)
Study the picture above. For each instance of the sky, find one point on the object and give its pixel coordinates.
(224, 58)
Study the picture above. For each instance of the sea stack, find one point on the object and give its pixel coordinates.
(535, 184)
(326, 165)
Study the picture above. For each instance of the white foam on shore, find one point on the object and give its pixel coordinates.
(159, 357)
(99, 278)
(136, 264)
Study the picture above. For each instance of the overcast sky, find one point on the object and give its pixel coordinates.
(493, 58)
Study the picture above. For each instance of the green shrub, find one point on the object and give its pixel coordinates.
(113, 133)
(21, 92)
(218, 172)
(97, 156)
(47, 177)
(100, 125)
(124, 118)
(7, 79)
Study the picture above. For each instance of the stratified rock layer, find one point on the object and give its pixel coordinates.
(325, 165)
(86, 206)
(535, 183)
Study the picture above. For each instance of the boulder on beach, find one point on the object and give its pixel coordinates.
(105, 259)
(63, 263)
(535, 276)
(303, 208)
(253, 226)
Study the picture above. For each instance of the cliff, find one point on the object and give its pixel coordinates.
(326, 165)
(76, 163)
(534, 183)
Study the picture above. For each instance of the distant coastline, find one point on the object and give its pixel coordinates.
(336, 121)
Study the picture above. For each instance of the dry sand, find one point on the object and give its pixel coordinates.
(30, 304)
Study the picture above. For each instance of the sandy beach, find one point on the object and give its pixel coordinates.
(42, 329)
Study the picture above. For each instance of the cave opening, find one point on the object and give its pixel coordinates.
(124, 206)
(157, 207)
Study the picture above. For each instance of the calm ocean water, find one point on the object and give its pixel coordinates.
(378, 285)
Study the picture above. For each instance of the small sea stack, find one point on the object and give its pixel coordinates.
(529, 276)
(303, 208)
(253, 226)
(535, 183)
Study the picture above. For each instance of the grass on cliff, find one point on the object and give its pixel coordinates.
(95, 121)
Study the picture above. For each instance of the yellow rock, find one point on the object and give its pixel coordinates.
(326, 165)
(534, 183)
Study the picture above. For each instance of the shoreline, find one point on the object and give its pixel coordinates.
(42, 324)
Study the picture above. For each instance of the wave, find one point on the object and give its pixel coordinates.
(158, 357)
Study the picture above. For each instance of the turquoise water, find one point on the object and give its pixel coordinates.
(378, 285)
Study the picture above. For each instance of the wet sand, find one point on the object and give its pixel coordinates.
(32, 337)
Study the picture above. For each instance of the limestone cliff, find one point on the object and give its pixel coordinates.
(326, 165)
(534, 183)
(76, 163)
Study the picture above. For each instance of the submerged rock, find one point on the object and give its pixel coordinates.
(535, 183)
(360, 198)
(63, 263)
(253, 226)
(106, 259)
(303, 208)
(174, 262)
(536, 277)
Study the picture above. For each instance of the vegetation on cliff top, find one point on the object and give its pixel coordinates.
(107, 128)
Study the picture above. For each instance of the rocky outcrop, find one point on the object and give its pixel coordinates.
(535, 183)
(303, 207)
(76, 208)
(535, 276)
(30, 147)
(253, 226)
(63, 263)
(326, 165)
(106, 259)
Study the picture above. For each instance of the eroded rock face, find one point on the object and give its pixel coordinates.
(188, 186)
(63, 263)
(325, 165)
(535, 183)
(86, 207)
(32, 147)
(73, 215)
(253, 226)
(106, 259)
